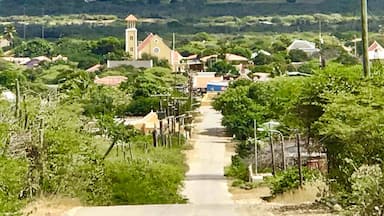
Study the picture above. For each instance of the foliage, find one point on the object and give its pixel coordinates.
(141, 106)
(262, 59)
(367, 196)
(223, 68)
(238, 169)
(143, 182)
(289, 179)
(35, 48)
(8, 75)
(12, 183)
(156, 61)
(347, 59)
(297, 55)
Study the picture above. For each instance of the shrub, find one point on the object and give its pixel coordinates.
(12, 183)
(367, 197)
(144, 182)
(262, 69)
(289, 179)
(238, 169)
(347, 59)
(297, 55)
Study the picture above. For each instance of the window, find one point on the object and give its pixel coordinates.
(156, 50)
(131, 49)
(131, 38)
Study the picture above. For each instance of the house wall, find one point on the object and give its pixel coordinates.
(131, 42)
(157, 44)
(4, 43)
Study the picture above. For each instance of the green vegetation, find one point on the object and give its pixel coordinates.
(289, 180)
(60, 135)
(334, 109)
(160, 8)
(68, 124)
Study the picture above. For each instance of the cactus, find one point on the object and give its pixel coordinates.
(17, 109)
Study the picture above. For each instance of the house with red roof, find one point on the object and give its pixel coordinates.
(375, 51)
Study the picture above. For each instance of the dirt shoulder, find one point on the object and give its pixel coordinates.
(297, 203)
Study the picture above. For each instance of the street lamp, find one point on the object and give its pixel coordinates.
(274, 124)
(271, 145)
(282, 146)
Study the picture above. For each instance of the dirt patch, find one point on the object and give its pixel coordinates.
(299, 202)
(50, 206)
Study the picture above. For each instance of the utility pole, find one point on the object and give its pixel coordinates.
(24, 21)
(272, 153)
(190, 90)
(364, 27)
(42, 25)
(255, 137)
(299, 157)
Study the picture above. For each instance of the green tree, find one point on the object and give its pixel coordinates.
(34, 48)
(9, 33)
(297, 55)
(262, 59)
(223, 68)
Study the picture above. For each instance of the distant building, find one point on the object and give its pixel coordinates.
(33, 62)
(201, 80)
(94, 68)
(133, 63)
(306, 46)
(375, 51)
(192, 63)
(110, 80)
(4, 43)
(145, 124)
(152, 45)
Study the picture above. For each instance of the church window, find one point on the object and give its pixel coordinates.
(131, 49)
(131, 38)
(156, 50)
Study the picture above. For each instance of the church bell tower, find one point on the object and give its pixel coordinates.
(131, 37)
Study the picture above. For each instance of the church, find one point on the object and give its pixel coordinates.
(153, 45)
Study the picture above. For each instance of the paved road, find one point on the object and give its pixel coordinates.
(205, 182)
(205, 185)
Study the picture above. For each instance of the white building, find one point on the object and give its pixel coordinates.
(306, 46)
(375, 51)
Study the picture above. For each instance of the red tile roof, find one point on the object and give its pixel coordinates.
(94, 68)
(375, 46)
(145, 42)
(110, 80)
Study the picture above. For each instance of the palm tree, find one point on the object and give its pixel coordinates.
(9, 33)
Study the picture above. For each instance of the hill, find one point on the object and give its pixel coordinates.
(184, 8)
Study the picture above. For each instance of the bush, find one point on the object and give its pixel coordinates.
(297, 55)
(12, 183)
(238, 169)
(367, 197)
(142, 106)
(144, 182)
(289, 179)
(262, 69)
(347, 59)
(262, 59)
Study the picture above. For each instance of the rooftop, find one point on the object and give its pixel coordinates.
(131, 18)
(110, 80)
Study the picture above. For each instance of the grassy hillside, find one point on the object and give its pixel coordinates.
(188, 7)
